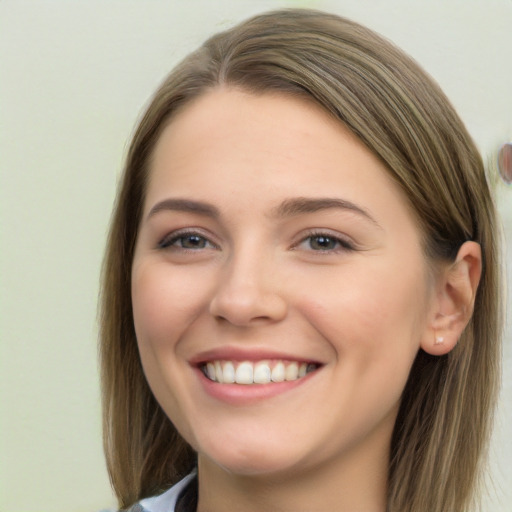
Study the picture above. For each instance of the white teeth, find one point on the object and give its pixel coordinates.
(262, 372)
(210, 371)
(228, 373)
(278, 373)
(219, 377)
(292, 371)
(244, 374)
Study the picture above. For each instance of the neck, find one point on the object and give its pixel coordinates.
(356, 482)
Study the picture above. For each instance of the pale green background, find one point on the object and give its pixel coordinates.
(73, 79)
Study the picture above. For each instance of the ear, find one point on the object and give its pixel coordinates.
(454, 300)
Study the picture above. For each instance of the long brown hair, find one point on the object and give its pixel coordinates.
(402, 116)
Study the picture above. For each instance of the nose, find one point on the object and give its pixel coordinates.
(248, 292)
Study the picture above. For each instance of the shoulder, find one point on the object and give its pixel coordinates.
(136, 508)
(164, 502)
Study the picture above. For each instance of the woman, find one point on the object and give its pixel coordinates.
(300, 303)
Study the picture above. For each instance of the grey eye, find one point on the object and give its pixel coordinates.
(191, 241)
(323, 243)
(187, 241)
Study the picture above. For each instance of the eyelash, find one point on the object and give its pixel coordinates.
(170, 242)
(341, 244)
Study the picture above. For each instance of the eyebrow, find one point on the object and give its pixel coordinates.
(303, 205)
(185, 205)
(288, 208)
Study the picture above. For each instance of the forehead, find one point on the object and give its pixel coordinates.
(230, 143)
(229, 115)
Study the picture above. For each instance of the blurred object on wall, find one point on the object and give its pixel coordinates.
(505, 162)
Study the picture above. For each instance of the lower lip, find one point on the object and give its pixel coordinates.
(244, 394)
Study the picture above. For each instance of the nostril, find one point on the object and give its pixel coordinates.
(245, 305)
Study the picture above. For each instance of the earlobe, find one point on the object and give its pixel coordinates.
(454, 300)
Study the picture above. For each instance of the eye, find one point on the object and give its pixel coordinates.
(188, 240)
(325, 242)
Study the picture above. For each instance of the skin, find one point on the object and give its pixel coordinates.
(361, 303)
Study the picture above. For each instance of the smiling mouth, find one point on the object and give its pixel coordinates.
(259, 372)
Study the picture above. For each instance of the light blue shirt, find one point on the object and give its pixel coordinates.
(165, 502)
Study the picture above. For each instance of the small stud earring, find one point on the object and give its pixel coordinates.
(439, 340)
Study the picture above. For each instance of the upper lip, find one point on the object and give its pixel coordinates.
(245, 354)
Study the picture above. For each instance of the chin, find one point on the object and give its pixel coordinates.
(251, 460)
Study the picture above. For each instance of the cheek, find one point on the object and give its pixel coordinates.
(150, 304)
(164, 303)
(376, 313)
(163, 309)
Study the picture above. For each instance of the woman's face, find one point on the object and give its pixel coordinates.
(274, 250)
